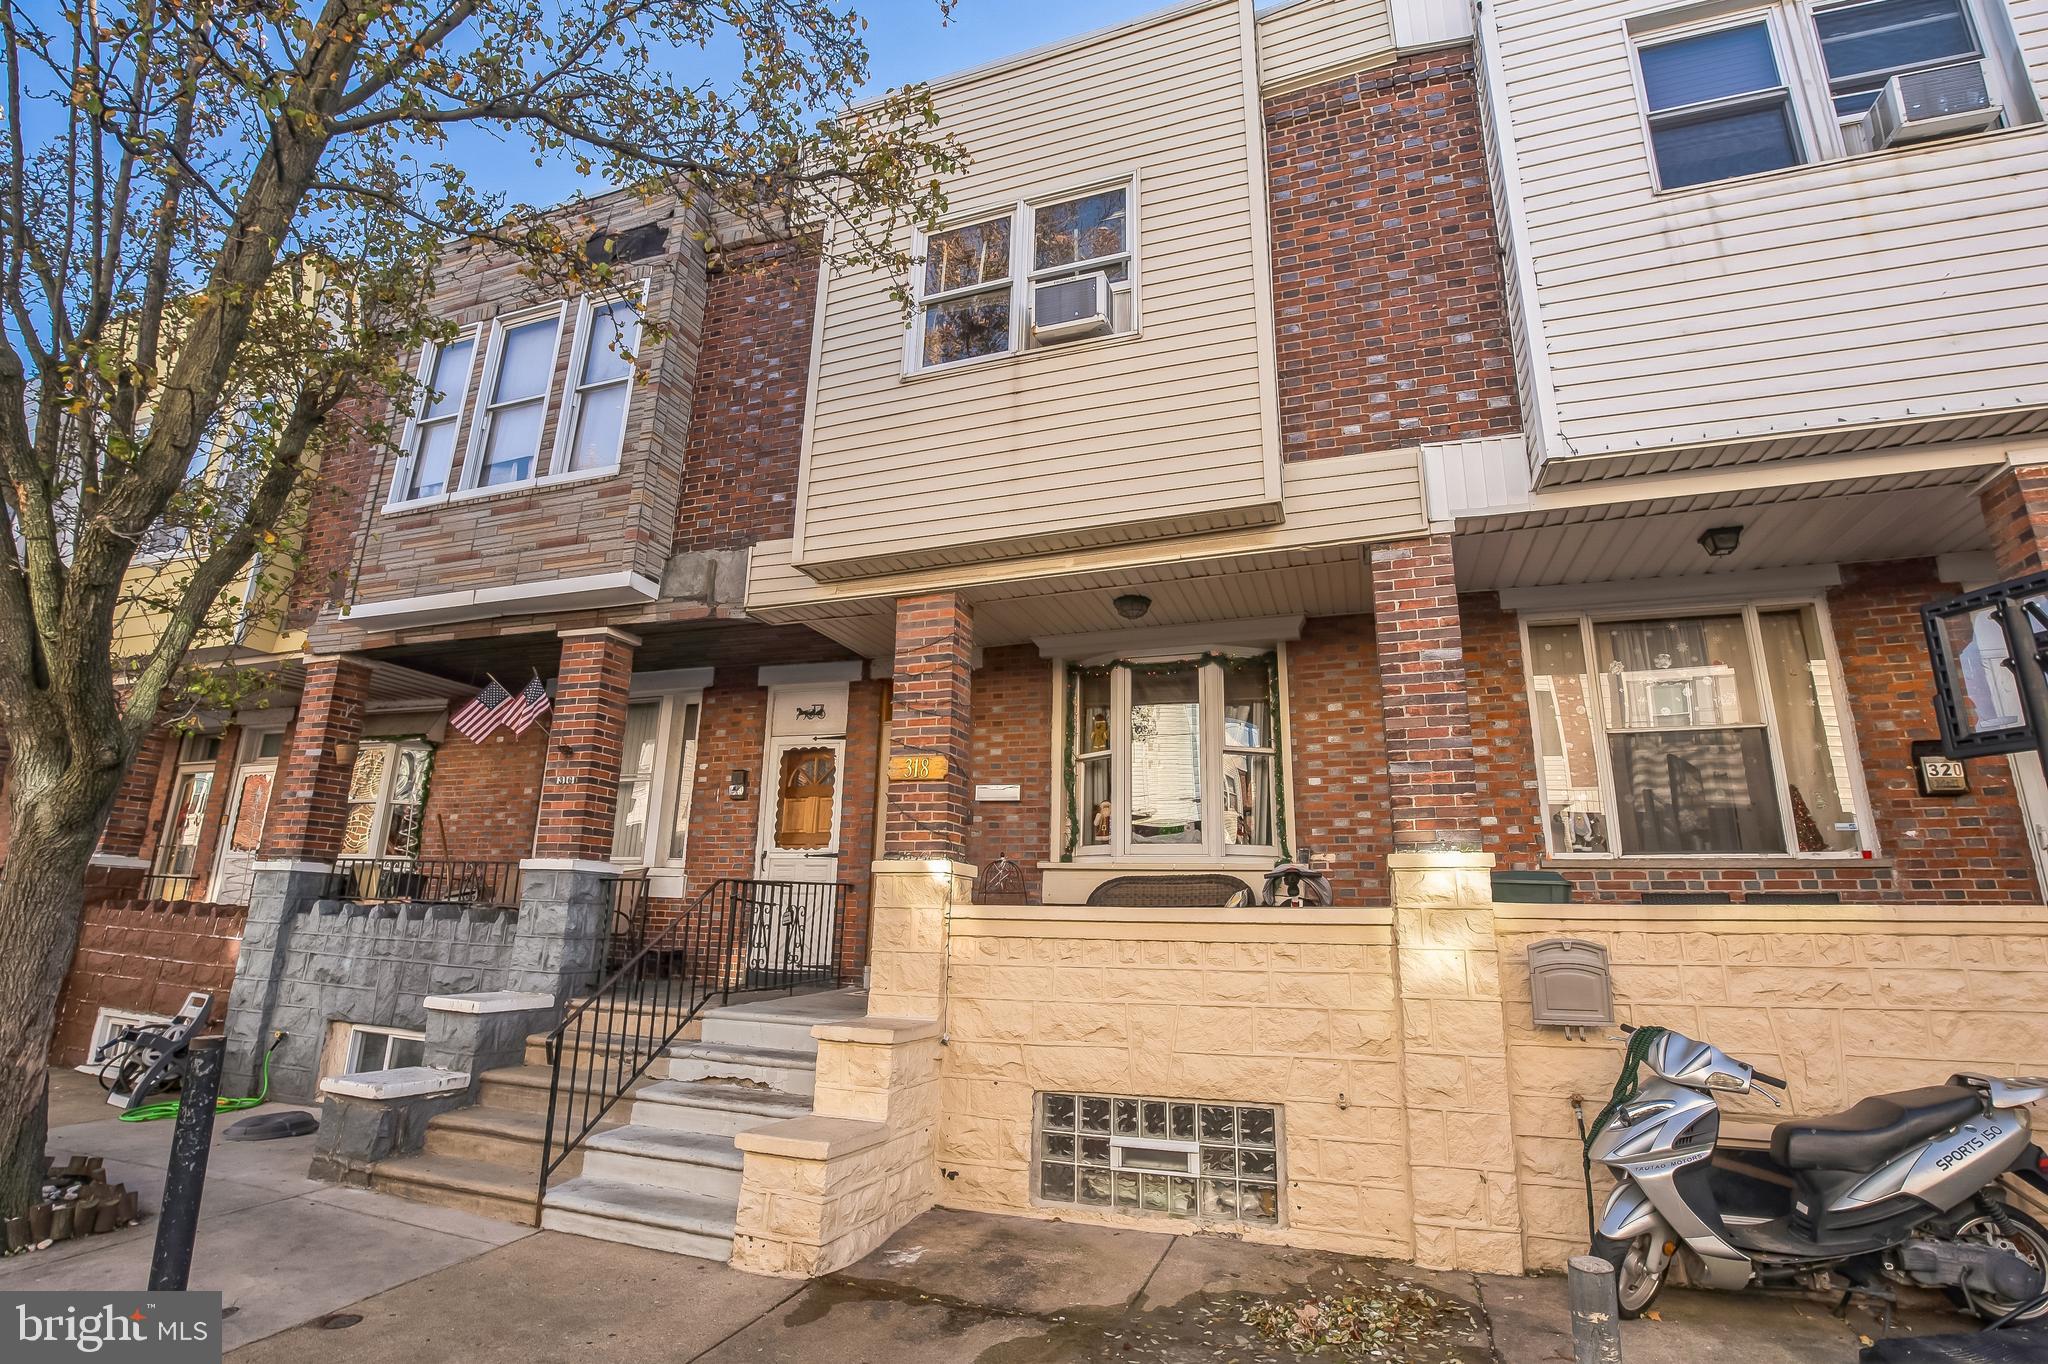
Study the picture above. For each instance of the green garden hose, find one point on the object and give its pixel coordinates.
(169, 1108)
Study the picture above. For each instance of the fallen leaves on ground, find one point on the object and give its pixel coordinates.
(1357, 1321)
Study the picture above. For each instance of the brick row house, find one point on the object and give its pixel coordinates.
(1498, 453)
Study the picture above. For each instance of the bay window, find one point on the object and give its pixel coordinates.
(1717, 733)
(428, 454)
(515, 406)
(594, 418)
(1174, 757)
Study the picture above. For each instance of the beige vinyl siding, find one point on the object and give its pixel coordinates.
(1338, 502)
(1895, 287)
(1170, 431)
(1301, 41)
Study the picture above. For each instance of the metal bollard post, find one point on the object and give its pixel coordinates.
(1596, 1311)
(185, 1177)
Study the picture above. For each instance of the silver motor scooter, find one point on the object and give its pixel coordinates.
(1900, 1189)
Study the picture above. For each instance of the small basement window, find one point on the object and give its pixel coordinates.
(1200, 1161)
(383, 1049)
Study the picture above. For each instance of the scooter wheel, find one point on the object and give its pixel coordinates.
(2027, 1239)
(1635, 1283)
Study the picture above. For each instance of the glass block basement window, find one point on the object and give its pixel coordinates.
(1207, 1162)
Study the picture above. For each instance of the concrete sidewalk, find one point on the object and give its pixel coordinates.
(281, 1248)
(998, 1290)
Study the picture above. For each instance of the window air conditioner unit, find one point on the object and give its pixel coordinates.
(1067, 309)
(1939, 102)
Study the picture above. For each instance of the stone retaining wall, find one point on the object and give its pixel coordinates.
(144, 956)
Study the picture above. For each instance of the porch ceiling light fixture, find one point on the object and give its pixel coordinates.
(1132, 605)
(1721, 541)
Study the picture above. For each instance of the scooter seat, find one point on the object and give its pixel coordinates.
(1874, 1130)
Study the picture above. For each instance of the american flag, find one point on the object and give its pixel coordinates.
(530, 706)
(482, 715)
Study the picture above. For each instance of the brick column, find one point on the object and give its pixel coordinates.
(133, 821)
(301, 838)
(2015, 504)
(309, 808)
(931, 717)
(579, 791)
(1431, 778)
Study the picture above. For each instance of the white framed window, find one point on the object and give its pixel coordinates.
(426, 459)
(387, 795)
(592, 433)
(1719, 104)
(519, 378)
(1717, 731)
(1789, 81)
(1174, 756)
(372, 1049)
(974, 286)
(657, 772)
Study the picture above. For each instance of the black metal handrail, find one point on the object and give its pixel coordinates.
(627, 925)
(736, 936)
(439, 880)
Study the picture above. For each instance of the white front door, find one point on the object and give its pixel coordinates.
(803, 802)
(241, 833)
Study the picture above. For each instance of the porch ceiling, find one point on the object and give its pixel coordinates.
(464, 663)
(1330, 581)
(1914, 516)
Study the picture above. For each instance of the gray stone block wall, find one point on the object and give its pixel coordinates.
(564, 916)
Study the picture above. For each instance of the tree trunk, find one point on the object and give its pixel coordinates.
(42, 899)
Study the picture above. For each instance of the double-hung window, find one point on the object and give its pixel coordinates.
(1174, 756)
(1791, 81)
(517, 383)
(1717, 733)
(387, 796)
(974, 289)
(594, 417)
(428, 458)
(1719, 104)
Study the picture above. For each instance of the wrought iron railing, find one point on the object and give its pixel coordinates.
(627, 924)
(439, 880)
(735, 937)
(159, 885)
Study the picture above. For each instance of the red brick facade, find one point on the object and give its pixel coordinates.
(144, 958)
(1336, 750)
(580, 785)
(2016, 514)
(131, 827)
(747, 426)
(1968, 848)
(1388, 300)
(483, 799)
(931, 717)
(1431, 791)
(1013, 726)
(310, 805)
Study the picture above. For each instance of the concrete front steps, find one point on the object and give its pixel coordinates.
(669, 1178)
(486, 1159)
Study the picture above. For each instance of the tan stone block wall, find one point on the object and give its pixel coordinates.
(1294, 1008)
(802, 1218)
(1841, 1002)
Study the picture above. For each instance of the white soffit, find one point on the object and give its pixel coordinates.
(624, 588)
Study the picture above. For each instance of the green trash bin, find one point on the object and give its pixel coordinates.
(1531, 888)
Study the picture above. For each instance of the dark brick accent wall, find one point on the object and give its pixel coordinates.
(747, 425)
(310, 803)
(1336, 744)
(580, 784)
(144, 957)
(1970, 848)
(1388, 301)
(1431, 785)
(1013, 726)
(932, 717)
